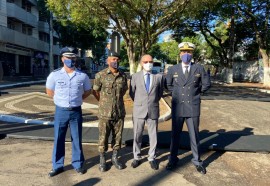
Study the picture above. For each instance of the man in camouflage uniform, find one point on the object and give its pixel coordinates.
(110, 86)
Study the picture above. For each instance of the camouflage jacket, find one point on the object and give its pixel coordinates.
(112, 89)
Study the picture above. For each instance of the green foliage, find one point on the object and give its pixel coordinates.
(78, 36)
(84, 33)
(139, 22)
(123, 53)
(206, 23)
(248, 32)
(166, 51)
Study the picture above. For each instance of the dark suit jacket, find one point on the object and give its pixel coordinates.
(186, 93)
(146, 104)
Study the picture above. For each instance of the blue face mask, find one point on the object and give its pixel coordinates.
(114, 65)
(69, 63)
(186, 58)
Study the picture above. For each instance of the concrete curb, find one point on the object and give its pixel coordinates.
(21, 84)
(167, 115)
(17, 119)
(261, 90)
(128, 122)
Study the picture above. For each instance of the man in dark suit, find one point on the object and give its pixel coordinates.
(145, 90)
(187, 81)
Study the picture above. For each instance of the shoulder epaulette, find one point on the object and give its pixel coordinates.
(57, 69)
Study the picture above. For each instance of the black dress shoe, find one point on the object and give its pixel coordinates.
(54, 172)
(135, 163)
(81, 170)
(154, 164)
(171, 165)
(201, 169)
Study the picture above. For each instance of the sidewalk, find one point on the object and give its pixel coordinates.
(16, 81)
(42, 109)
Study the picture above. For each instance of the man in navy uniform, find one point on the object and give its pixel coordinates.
(68, 87)
(187, 81)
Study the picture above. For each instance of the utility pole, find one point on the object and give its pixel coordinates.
(51, 65)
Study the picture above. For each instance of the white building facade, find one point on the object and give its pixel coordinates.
(24, 39)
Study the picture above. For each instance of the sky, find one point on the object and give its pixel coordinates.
(164, 34)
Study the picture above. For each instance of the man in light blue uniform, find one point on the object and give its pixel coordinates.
(68, 87)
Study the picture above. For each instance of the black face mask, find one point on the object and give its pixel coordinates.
(114, 64)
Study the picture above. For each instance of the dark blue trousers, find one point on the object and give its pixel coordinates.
(63, 119)
(193, 130)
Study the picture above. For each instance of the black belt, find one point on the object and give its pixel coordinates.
(70, 108)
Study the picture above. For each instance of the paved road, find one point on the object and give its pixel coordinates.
(27, 162)
(31, 103)
(226, 110)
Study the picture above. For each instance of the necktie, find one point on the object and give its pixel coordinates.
(186, 72)
(147, 83)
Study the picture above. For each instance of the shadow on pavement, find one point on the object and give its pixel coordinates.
(207, 141)
(222, 92)
(8, 128)
(220, 140)
(90, 181)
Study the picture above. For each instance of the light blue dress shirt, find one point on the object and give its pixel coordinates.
(68, 90)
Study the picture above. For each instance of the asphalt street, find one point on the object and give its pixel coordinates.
(237, 109)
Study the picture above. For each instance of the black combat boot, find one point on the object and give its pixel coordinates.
(115, 160)
(102, 163)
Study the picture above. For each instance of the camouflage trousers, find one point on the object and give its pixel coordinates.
(105, 127)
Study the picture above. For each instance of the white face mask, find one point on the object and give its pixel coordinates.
(147, 66)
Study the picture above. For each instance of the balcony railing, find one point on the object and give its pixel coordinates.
(33, 2)
(43, 26)
(18, 13)
(11, 36)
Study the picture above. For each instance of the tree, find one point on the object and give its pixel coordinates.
(80, 37)
(171, 51)
(157, 53)
(257, 14)
(210, 21)
(74, 35)
(139, 22)
(231, 25)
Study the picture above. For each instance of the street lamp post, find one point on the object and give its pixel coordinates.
(51, 66)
